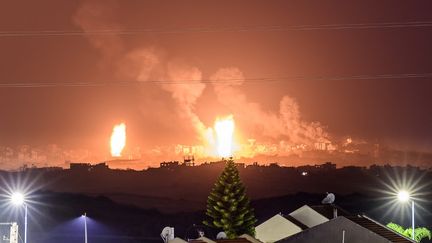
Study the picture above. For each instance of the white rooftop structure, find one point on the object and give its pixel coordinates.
(177, 240)
(309, 217)
(276, 228)
(205, 239)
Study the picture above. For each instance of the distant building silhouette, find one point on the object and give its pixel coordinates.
(189, 160)
(82, 167)
(328, 166)
(169, 164)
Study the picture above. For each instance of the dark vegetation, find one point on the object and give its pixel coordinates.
(57, 217)
(131, 206)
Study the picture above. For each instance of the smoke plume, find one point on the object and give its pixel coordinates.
(286, 125)
(99, 15)
(143, 64)
(184, 83)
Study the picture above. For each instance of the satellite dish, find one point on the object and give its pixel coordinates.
(167, 234)
(221, 236)
(329, 199)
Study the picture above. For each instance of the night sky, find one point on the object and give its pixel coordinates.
(185, 45)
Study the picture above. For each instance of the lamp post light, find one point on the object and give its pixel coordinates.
(404, 196)
(85, 227)
(18, 199)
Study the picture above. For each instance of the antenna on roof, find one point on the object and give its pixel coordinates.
(329, 199)
(167, 234)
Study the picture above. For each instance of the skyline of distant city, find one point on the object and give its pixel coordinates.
(343, 154)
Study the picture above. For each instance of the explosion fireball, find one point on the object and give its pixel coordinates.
(224, 128)
(118, 139)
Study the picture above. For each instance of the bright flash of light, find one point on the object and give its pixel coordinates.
(118, 139)
(403, 196)
(19, 189)
(397, 185)
(17, 198)
(224, 128)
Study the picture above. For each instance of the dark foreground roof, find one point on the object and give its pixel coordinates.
(364, 221)
(238, 240)
(326, 210)
(378, 229)
(295, 221)
(359, 229)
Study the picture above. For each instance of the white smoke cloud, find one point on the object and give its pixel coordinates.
(285, 125)
(186, 89)
(98, 15)
(183, 81)
(140, 64)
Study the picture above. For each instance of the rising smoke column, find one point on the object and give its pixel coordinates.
(295, 128)
(149, 63)
(98, 15)
(186, 89)
(182, 81)
(285, 125)
(144, 64)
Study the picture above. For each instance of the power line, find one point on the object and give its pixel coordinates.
(208, 81)
(359, 26)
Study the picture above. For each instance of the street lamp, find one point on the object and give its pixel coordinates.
(18, 199)
(404, 196)
(85, 227)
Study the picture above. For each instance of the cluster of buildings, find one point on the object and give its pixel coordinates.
(322, 223)
(189, 161)
(45, 156)
(253, 148)
(345, 152)
(55, 155)
(87, 167)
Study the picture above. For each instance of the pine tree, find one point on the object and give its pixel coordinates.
(228, 207)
